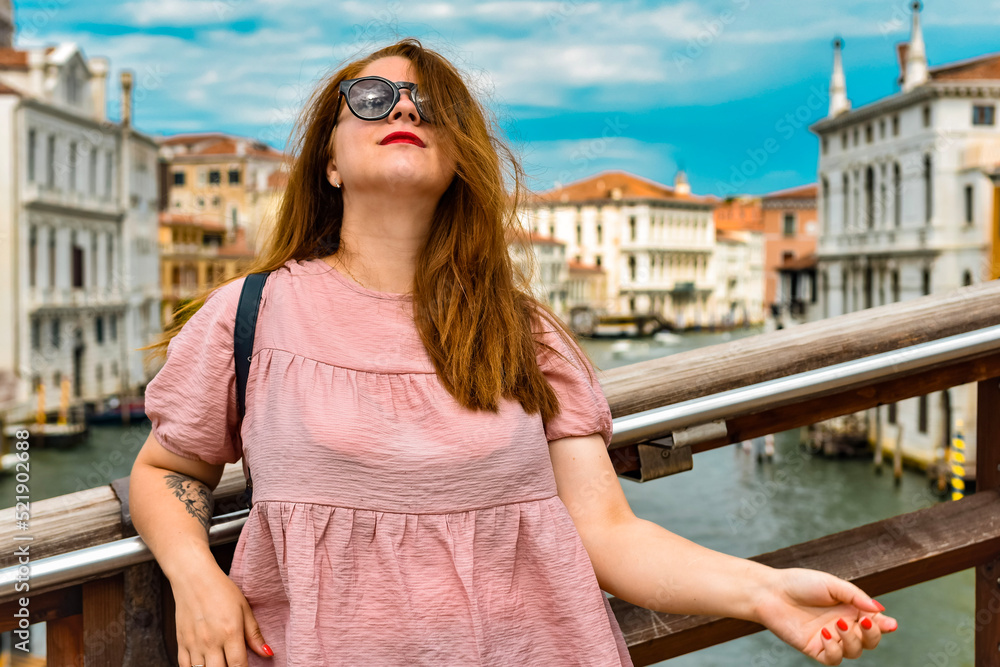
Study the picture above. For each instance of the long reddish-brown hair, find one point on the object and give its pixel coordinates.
(472, 302)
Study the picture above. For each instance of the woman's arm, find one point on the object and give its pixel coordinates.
(647, 565)
(639, 561)
(171, 502)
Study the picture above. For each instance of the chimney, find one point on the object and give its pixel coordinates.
(916, 56)
(838, 82)
(681, 186)
(99, 87)
(36, 72)
(126, 99)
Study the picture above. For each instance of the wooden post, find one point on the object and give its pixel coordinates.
(987, 620)
(878, 439)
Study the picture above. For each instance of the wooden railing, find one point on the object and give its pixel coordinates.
(117, 610)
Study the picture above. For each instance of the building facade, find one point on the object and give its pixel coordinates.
(78, 201)
(654, 243)
(908, 207)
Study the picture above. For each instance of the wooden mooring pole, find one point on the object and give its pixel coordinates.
(987, 620)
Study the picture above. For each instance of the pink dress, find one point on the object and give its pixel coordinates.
(390, 525)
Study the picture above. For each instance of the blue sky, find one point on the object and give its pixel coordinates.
(577, 86)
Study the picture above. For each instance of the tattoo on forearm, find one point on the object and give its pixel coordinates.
(197, 498)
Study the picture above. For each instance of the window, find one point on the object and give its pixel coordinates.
(72, 166)
(631, 227)
(881, 129)
(55, 332)
(50, 161)
(826, 145)
(108, 164)
(787, 256)
(925, 282)
(895, 286)
(631, 269)
(788, 228)
(32, 140)
(214, 177)
(984, 114)
(869, 133)
(110, 263)
(234, 176)
(72, 87)
(966, 278)
(92, 172)
(857, 135)
(579, 234)
(76, 263)
(32, 255)
(843, 139)
(179, 178)
(847, 199)
(892, 413)
(216, 200)
(201, 202)
(928, 189)
(969, 203)
(113, 326)
(927, 115)
(922, 414)
(234, 216)
(870, 197)
(895, 126)
(52, 257)
(599, 235)
(597, 260)
(99, 329)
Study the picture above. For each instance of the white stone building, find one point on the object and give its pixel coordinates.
(655, 243)
(906, 208)
(739, 289)
(548, 271)
(78, 230)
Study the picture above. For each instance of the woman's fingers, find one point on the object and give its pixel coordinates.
(850, 638)
(871, 634)
(833, 650)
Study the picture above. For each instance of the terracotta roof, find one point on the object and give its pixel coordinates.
(799, 263)
(11, 58)
(239, 247)
(800, 192)
(217, 143)
(902, 49)
(7, 90)
(206, 222)
(612, 185)
(535, 237)
(974, 69)
(277, 179)
(580, 267)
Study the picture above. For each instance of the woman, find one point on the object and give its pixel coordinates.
(431, 486)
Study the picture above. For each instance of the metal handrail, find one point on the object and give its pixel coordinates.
(642, 426)
(660, 422)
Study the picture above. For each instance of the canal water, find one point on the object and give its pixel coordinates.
(728, 502)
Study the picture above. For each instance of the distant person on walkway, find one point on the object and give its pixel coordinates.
(428, 443)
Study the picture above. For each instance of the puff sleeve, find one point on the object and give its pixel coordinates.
(192, 399)
(584, 409)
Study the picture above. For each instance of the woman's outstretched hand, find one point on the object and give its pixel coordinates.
(823, 616)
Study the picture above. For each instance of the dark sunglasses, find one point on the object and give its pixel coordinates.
(374, 98)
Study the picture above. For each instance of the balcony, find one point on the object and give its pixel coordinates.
(74, 297)
(40, 194)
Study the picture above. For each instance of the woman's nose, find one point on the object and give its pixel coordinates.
(406, 106)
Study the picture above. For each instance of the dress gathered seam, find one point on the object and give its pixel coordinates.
(368, 509)
(348, 368)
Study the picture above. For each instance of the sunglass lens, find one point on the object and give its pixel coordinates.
(370, 98)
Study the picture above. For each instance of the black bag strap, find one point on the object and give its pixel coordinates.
(243, 333)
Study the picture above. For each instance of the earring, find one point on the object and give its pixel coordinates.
(336, 184)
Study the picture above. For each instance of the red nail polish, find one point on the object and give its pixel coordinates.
(866, 623)
(267, 649)
(842, 624)
(826, 634)
(879, 605)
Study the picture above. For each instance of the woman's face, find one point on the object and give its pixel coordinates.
(366, 166)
